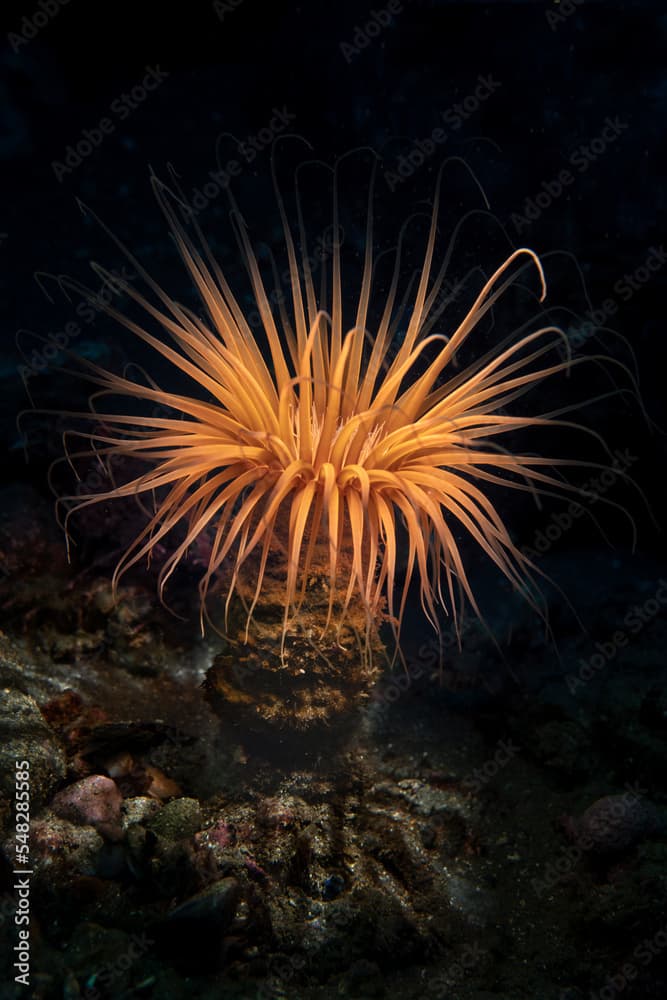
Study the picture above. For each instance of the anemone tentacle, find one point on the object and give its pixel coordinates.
(320, 443)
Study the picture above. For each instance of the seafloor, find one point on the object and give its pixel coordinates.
(491, 831)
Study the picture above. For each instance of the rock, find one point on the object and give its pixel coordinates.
(161, 787)
(25, 735)
(193, 933)
(615, 824)
(333, 886)
(220, 836)
(62, 848)
(178, 819)
(215, 906)
(363, 924)
(139, 809)
(134, 777)
(92, 801)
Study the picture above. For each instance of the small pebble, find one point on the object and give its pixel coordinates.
(92, 801)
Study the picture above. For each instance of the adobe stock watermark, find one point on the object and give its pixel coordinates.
(564, 9)
(429, 658)
(625, 288)
(643, 954)
(378, 21)
(282, 971)
(32, 24)
(40, 360)
(453, 117)
(102, 476)
(318, 254)
(580, 160)
(106, 979)
(248, 150)
(224, 7)
(120, 108)
(592, 491)
(22, 872)
(635, 621)
(569, 856)
(450, 291)
(441, 986)
(480, 776)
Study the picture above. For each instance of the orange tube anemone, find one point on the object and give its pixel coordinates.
(308, 437)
